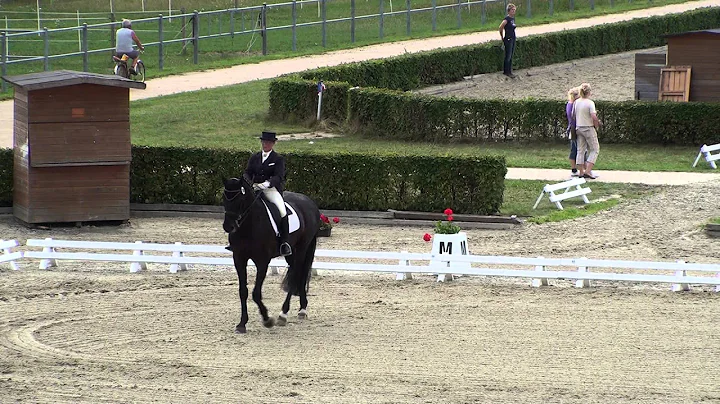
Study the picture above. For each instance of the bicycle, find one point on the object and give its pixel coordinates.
(123, 70)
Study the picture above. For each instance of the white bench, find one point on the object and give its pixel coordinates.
(706, 151)
(680, 274)
(8, 255)
(556, 198)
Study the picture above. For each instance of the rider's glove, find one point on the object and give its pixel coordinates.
(259, 186)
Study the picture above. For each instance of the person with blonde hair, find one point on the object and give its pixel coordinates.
(507, 35)
(572, 95)
(586, 123)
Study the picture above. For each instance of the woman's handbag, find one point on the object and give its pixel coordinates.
(573, 131)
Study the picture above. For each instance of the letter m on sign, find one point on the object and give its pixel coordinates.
(445, 248)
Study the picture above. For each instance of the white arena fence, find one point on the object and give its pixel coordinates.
(179, 256)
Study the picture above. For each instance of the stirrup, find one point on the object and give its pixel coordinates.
(285, 249)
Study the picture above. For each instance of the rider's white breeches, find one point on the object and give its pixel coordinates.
(272, 195)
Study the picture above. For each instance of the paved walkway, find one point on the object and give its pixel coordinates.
(274, 68)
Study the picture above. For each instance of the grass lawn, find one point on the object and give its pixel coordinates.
(233, 117)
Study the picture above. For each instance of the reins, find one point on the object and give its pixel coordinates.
(240, 217)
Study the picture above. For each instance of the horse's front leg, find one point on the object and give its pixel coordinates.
(241, 269)
(282, 318)
(257, 294)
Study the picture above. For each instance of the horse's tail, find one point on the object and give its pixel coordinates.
(299, 277)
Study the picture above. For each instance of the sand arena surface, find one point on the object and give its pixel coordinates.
(92, 332)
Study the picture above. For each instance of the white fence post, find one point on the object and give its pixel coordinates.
(174, 268)
(537, 282)
(48, 262)
(401, 276)
(138, 266)
(582, 283)
(680, 287)
(13, 265)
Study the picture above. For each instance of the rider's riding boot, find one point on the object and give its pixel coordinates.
(285, 249)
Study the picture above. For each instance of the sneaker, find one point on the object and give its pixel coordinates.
(589, 176)
(593, 174)
(574, 173)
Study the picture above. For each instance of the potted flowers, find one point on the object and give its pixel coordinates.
(448, 240)
(326, 226)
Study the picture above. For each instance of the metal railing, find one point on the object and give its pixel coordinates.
(184, 30)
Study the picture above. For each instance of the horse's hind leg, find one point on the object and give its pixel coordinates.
(257, 295)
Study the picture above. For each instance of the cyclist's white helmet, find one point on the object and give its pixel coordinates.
(126, 23)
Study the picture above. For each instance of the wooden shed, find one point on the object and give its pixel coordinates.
(647, 73)
(701, 51)
(71, 146)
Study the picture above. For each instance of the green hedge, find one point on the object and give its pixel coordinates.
(413, 117)
(346, 181)
(356, 182)
(382, 112)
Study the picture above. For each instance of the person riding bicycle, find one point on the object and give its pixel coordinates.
(124, 39)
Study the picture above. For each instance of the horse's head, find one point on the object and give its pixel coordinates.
(238, 197)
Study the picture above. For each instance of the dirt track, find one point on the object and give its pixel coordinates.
(612, 78)
(94, 332)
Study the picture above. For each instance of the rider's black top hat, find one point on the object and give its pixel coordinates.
(268, 136)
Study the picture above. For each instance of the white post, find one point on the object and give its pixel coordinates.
(537, 282)
(13, 264)
(319, 104)
(401, 276)
(680, 287)
(175, 267)
(143, 6)
(79, 38)
(582, 283)
(169, 9)
(46, 263)
(138, 266)
(38, 15)
(112, 9)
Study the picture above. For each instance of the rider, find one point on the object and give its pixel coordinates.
(124, 39)
(267, 171)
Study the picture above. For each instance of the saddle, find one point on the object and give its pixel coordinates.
(274, 216)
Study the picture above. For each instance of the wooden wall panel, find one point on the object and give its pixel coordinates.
(79, 103)
(700, 51)
(62, 143)
(78, 194)
(647, 75)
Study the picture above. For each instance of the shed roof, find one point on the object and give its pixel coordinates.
(702, 31)
(62, 78)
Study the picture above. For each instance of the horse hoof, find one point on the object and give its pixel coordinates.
(240, 329)
(302, 315)
(269, 323)
(281, 321)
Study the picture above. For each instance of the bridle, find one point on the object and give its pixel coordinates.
(239, 217)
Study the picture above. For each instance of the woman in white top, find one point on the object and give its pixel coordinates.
(586, 121)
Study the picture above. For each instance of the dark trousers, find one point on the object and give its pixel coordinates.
(509, 50)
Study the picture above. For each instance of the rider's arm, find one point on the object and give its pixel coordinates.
(137, 41)
(502, 28)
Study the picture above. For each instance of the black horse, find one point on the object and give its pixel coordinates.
(252, 236)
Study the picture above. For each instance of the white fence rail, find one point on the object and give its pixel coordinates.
(679, 274)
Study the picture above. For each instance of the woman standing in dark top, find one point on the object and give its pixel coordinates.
(507, 34)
